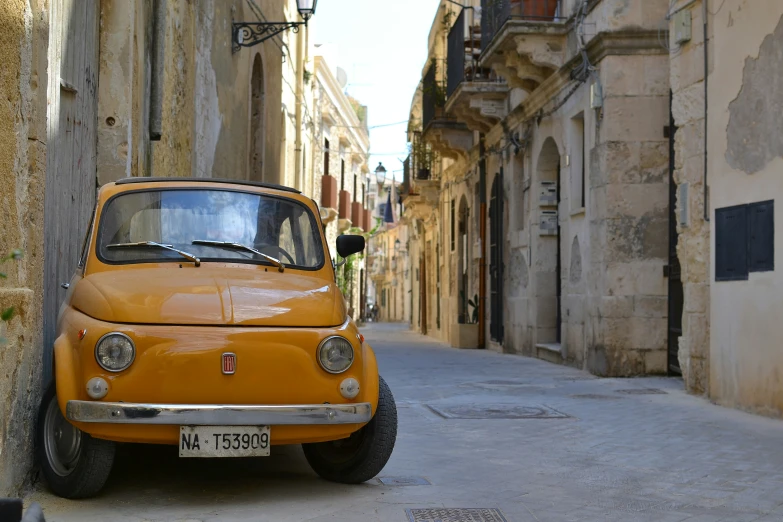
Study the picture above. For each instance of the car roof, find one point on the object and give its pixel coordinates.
(128, 181)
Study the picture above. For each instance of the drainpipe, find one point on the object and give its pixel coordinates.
(705, 11)
(482, 241)
(300, 65)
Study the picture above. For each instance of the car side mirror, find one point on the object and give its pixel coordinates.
(349, 244)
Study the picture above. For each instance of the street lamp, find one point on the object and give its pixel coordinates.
(380, 174)
(248, 34)
(306, 8)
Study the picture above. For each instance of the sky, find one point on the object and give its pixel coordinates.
(382, 46)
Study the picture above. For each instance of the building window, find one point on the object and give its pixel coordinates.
(744, 240)
(519, 188)
(578, 169)
(355, 189)
(326, 157)
(342, 174)
(453, 234)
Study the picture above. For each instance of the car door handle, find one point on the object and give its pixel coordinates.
(66, 285)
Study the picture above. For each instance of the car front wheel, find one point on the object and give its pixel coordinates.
(364, 454)
(74, 464)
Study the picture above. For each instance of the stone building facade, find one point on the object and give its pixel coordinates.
(388, 260)
(731, 332)
(98, 90)
(566, 202)
(340, 174)
(548, 196)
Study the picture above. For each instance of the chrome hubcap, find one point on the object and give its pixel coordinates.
(62, 441)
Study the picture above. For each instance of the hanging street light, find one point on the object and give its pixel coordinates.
(380, 175)
(248, 34)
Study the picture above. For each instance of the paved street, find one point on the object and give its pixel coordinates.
(584, 449)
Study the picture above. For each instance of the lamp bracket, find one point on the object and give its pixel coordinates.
(249, 34)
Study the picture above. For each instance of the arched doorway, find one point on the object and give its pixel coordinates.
(549, 271)
(257, 119)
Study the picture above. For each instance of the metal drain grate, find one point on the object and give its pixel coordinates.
(643, 391)
(404, 481)
(595, 396)
(455, 515)
(497, 412)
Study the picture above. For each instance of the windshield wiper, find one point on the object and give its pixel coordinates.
(153, 244)
(239, 246)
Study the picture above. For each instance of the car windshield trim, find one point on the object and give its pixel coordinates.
(319, 245)
(153, 244)
(239, 246)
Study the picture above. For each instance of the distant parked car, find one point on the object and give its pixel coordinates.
(205, 314)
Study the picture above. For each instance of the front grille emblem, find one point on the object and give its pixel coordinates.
(229, 363)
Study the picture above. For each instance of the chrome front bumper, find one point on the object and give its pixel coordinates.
(217, 414)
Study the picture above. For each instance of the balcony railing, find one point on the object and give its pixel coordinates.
(429, 96)
(495, 14)
(455, 67)
(464, 48)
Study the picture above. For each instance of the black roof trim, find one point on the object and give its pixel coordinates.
(127, 181)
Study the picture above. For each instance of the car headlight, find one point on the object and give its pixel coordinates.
(335, 354)
(115, 352)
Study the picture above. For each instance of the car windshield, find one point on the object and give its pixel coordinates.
(189, 220)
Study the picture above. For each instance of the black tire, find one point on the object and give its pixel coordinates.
(83, 468)
(363, 455)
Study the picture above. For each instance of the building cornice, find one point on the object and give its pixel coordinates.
(615, 43)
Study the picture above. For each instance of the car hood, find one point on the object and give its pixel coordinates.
(210, 296)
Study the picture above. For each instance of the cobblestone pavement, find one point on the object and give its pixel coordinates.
(580, 449)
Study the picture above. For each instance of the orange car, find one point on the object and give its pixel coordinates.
(205, 314)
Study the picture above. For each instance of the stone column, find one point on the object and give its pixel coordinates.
(626, 327)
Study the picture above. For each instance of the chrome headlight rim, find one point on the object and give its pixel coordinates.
(112, 334)
(321, 347)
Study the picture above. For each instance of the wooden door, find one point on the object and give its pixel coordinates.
(71, 150)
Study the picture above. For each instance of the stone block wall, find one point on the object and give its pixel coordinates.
(693, 248)
(23, 82)
(626, 327)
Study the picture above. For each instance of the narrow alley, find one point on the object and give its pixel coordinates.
(481, 430)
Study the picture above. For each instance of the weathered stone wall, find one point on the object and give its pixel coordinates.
(23, 80)
(613, 249)
(745, 154)
(627, 328)
(205, 113)
(693, 247)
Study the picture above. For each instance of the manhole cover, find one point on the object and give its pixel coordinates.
(404, 481)
(455, 515)
(595, 396)
(643, 391)
(497, 412)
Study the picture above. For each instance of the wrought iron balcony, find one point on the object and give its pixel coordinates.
(523, 41)
(476, 94)
(432, 96)
(464, 50)
(495, 14)
(444, 135)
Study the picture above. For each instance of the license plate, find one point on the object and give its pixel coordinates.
(223, 441)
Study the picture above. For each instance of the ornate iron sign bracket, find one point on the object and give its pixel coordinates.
(248, 34)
